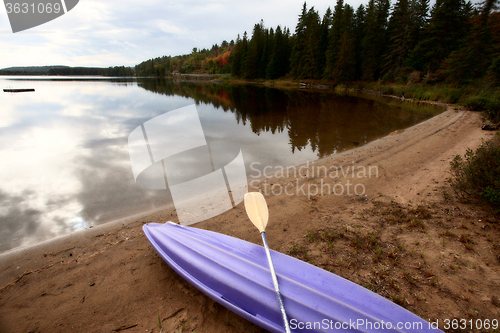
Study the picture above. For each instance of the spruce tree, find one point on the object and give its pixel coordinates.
(279, 61)
(419, 10)
(299, 44)
(369, 44)
(334, 37)
(266, 54)
(472, 60)
(312, 33)
(359, 30)
(345, 65)
(375, 39)
(448, 26)
(323, 44)
(238, 55)
(255, 51)
(399, 31)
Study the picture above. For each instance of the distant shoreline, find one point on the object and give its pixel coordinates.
(66, 70)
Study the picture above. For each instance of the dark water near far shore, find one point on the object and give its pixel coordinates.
(65, 161)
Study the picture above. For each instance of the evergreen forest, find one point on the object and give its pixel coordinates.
(452, 41)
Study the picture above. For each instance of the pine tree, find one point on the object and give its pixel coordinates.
(236, 58)
(322, 44)
(255, 52)
(419, 10)
(447, 29)
(399, 30)
(312, 33)
(476, 54)
(238, 55)
(279, 61)
(299, 44)
(334, 37)
(359, 31)
(345, 66)
(266, 54)
(369, 44)
(383, 8)
(375, 39)
(493, 73)
(305, 44)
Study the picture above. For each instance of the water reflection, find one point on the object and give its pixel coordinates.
(65, 163)
(171, 148)
(323, 122)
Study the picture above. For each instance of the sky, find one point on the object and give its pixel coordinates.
(126, 32)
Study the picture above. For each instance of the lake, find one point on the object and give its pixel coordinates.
(66, 151)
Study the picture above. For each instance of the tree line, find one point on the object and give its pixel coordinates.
(98, 71)
(409, 40)
(452, 40)
(28, 70)
(66, 70)
(215, 60)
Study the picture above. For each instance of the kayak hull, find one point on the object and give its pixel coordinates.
(235, 273)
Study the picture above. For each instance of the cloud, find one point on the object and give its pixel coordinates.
(170, 29)
(115, 33)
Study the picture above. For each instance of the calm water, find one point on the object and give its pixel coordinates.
(64, 148)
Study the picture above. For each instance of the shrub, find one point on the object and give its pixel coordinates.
(478, 175)
(454, 96)
(490, 106)
(478, 103)
(414, 77)
(385, 89)
(493, 114)
(494, 70)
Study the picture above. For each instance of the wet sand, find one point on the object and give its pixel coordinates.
(407, 237)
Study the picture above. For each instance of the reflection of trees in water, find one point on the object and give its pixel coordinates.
(329, 123)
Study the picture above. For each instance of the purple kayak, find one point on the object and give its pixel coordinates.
(235, 273)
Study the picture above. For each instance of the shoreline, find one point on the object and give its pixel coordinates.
(111, 224)
(83, 233)
(108, 278)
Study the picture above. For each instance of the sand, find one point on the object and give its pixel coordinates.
(406, 236)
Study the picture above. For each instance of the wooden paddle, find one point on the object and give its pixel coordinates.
(257, 212)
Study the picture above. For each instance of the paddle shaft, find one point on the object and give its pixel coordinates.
(275, 282)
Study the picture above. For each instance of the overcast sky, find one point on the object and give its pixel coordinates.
(126, 32)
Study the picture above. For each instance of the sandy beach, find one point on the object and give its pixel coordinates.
(396, 228)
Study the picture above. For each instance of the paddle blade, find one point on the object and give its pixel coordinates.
(256, 208)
